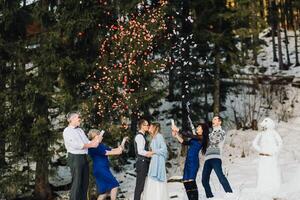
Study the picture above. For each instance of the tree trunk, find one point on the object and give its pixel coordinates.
(255, 44)
(285, 24)
(2, 149)
(216, 97)
(275, 59)
(287, 48)
(2, 117)
(262, 8)
(273, 28)
(42, 190)
(296, 47)
(254, 125)
(278, 26)
(280, 60)
(243, 50)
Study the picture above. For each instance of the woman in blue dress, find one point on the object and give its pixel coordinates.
(105, 181)
(156, 184)
(197, 141)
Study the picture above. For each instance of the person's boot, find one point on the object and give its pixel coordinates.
(191, 190)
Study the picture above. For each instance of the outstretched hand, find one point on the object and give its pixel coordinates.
(175, 130)
(173, 126)
(125, 139)
(174, 133)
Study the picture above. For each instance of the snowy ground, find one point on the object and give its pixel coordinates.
(241, 171)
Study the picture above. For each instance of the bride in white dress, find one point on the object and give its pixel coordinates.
(268, 143)
(156, 183)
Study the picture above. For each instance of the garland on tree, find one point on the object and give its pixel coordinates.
(128, 63)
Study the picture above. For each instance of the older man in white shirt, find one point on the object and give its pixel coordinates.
(77, 144)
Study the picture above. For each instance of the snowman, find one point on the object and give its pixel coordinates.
(268, 143)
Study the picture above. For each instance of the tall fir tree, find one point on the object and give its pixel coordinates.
(216, 50)
(82, 25)
(14, 20)
(42, 70)
(127, 66)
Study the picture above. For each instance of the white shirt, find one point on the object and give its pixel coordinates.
(140, 144)
(74, 139)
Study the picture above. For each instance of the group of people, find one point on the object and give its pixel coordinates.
(151, 180)
(210, 146)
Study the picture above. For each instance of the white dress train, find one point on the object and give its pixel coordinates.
(155, 190)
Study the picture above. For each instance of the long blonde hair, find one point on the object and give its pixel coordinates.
(156, 128)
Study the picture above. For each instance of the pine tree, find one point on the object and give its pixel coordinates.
(42, 89)
(247, 28)
(82, 25)
(16, 125)
(5, 72)
(215, 34)
(127, 66)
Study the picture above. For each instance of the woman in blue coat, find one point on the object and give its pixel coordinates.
(105, 181)
(156, 185)
(195, 144)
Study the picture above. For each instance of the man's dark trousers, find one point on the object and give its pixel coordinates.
(216, 165)
(80, 176)
(142, 166)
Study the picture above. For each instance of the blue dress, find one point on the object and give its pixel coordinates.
(105, 181)
(191, 165)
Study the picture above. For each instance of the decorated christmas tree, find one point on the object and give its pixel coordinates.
(124, 83)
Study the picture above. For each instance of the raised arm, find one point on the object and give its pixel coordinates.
(115, 151)
(94, 143)
(189, 134)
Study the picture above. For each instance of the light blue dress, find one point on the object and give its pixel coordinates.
(157, 168)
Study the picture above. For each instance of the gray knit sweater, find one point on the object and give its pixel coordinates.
(216, 138)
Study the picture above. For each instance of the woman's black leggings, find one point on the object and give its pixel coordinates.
(191, 190)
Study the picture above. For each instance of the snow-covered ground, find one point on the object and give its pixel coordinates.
(241, 171)
(239, 159)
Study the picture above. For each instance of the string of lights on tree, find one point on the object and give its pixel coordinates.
(127, 61)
